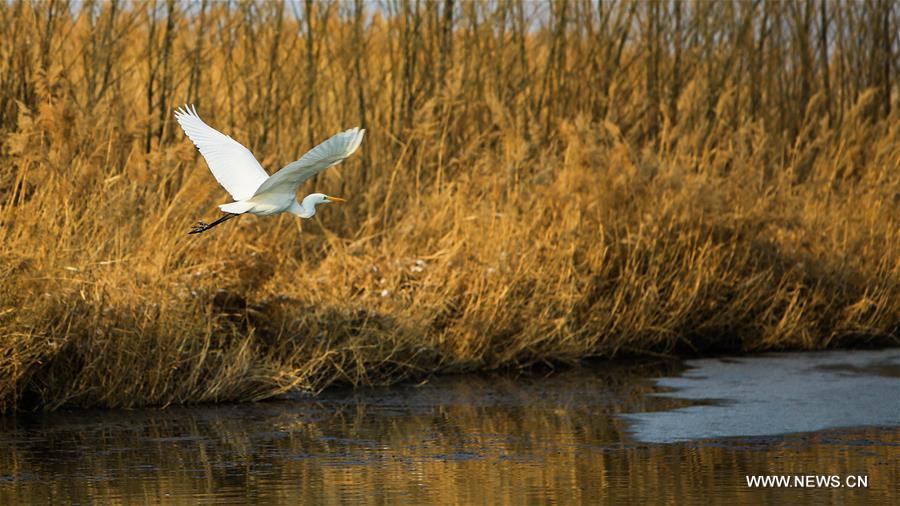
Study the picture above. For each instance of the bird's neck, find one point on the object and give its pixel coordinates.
(305, 209)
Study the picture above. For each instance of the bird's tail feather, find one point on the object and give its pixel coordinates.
(236, 207)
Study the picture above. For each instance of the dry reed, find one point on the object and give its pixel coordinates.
(540, 183)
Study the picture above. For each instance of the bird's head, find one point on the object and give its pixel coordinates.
(320, 198)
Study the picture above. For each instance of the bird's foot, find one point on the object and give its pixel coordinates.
(201, 226)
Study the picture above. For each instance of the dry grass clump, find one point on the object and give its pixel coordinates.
(589, 180)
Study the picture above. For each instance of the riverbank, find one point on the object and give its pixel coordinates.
(126, 312)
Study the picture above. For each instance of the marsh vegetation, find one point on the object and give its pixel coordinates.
(540, 183)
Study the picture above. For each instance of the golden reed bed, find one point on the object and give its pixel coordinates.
(540, 183)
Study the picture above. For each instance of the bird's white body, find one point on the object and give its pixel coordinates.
(253, 190)
(267, 204)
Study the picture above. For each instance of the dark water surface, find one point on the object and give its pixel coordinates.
(648, 433)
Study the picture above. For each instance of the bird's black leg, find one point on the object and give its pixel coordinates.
(202, 226)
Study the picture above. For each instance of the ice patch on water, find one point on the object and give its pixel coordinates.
(777, 394)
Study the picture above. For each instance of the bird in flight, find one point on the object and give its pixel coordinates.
(253, 190)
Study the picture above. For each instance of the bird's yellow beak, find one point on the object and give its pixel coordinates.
(336, 199)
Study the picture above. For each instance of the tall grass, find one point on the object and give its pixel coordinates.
(539, 183)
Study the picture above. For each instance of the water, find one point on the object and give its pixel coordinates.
(643, 433)
(778, 394)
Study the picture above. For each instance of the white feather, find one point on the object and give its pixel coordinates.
(236, 207)
(327, 154)
(233, 165)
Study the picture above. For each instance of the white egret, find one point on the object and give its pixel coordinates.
(253, 190)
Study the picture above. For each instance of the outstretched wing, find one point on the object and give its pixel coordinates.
(329, 153)
(233, 165)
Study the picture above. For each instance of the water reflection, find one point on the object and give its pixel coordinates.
(500, 440)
